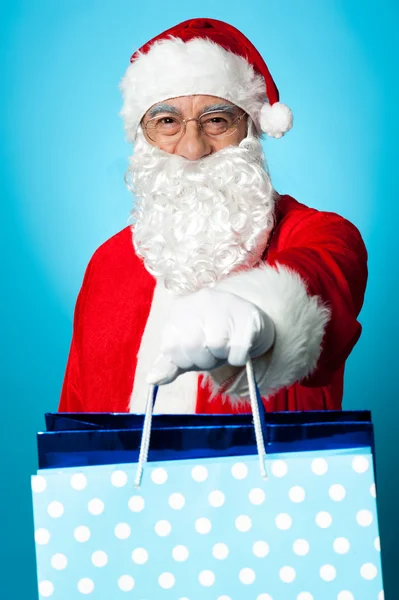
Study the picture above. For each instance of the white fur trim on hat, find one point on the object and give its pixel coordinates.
(299, 319)
(276, 119)
(173, 68)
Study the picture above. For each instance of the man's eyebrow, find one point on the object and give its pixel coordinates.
(219, 107)
(163, 108)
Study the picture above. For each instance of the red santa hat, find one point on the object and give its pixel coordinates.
(203, 56)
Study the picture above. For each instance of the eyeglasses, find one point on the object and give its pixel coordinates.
(168, 129)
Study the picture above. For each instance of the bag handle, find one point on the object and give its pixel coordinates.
(258, 413)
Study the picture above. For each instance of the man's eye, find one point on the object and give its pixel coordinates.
(166, 120)
(215, 121)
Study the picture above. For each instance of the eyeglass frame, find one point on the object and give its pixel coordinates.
(185, 121)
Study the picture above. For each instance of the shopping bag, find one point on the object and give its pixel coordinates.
(219, 511)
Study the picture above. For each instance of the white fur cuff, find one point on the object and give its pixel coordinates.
(299, 319)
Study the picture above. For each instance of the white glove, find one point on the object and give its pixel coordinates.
(208, 329)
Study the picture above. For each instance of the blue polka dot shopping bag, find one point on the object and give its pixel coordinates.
(232, 507)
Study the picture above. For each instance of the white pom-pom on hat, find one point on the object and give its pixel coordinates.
(276, 119)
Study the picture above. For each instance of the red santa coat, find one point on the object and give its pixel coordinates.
(312, 284)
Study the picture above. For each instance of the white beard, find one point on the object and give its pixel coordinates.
(197, 221)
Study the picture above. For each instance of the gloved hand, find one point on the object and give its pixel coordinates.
(208, 329)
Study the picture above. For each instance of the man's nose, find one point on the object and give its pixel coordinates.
(194, 144)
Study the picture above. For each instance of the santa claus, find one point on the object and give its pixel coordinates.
(216, 267)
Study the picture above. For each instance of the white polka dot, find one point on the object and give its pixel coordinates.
(345, 595)
(126, 583)
(301, 547)
(139, 556)
(239, 470)
(79, 481)
(260, 549)
(373, 490)
(256, 496)
(341, 545)
(82, 533)
(96, 506)
(377, 544)
(38, 483)
(279, 468)
(199, 474)
(85, 585)
(328, 573)
(319, 466)
(136, 503)
(55, 509)
(337, 492)
(264, 597)
(122, 531)
(368, 571)
(360, 464)
(216, 499)
(180, 553)
(46, 589)
(59, 561)
(283, 521)
(119, 478)
(159, 476)
(297, 494)
(323, 519)
(177, 501)
(247, 576)
(166, 581)
(381, 596)
(287, 574)
(206, 578)
(364, 518)
(304, 596)
(42, 536)
(99, 558)
(220, 551)
(203, 525)
(163, 528)
(243, 523)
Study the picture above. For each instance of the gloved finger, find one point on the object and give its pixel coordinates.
(164, 371)
(241, 342)
(186, 347)
(192, 356)
(202, 358)
(265, 338)
(217, 335)
(218, 342)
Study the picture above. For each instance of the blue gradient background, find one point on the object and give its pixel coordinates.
(63, 157)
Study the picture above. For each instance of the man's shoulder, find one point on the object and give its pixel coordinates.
(289, 215)
(290, 209)
(115, 258)
(115, 264)
(117, 252)
(287, 206)
(296, 220)
(119, 243)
